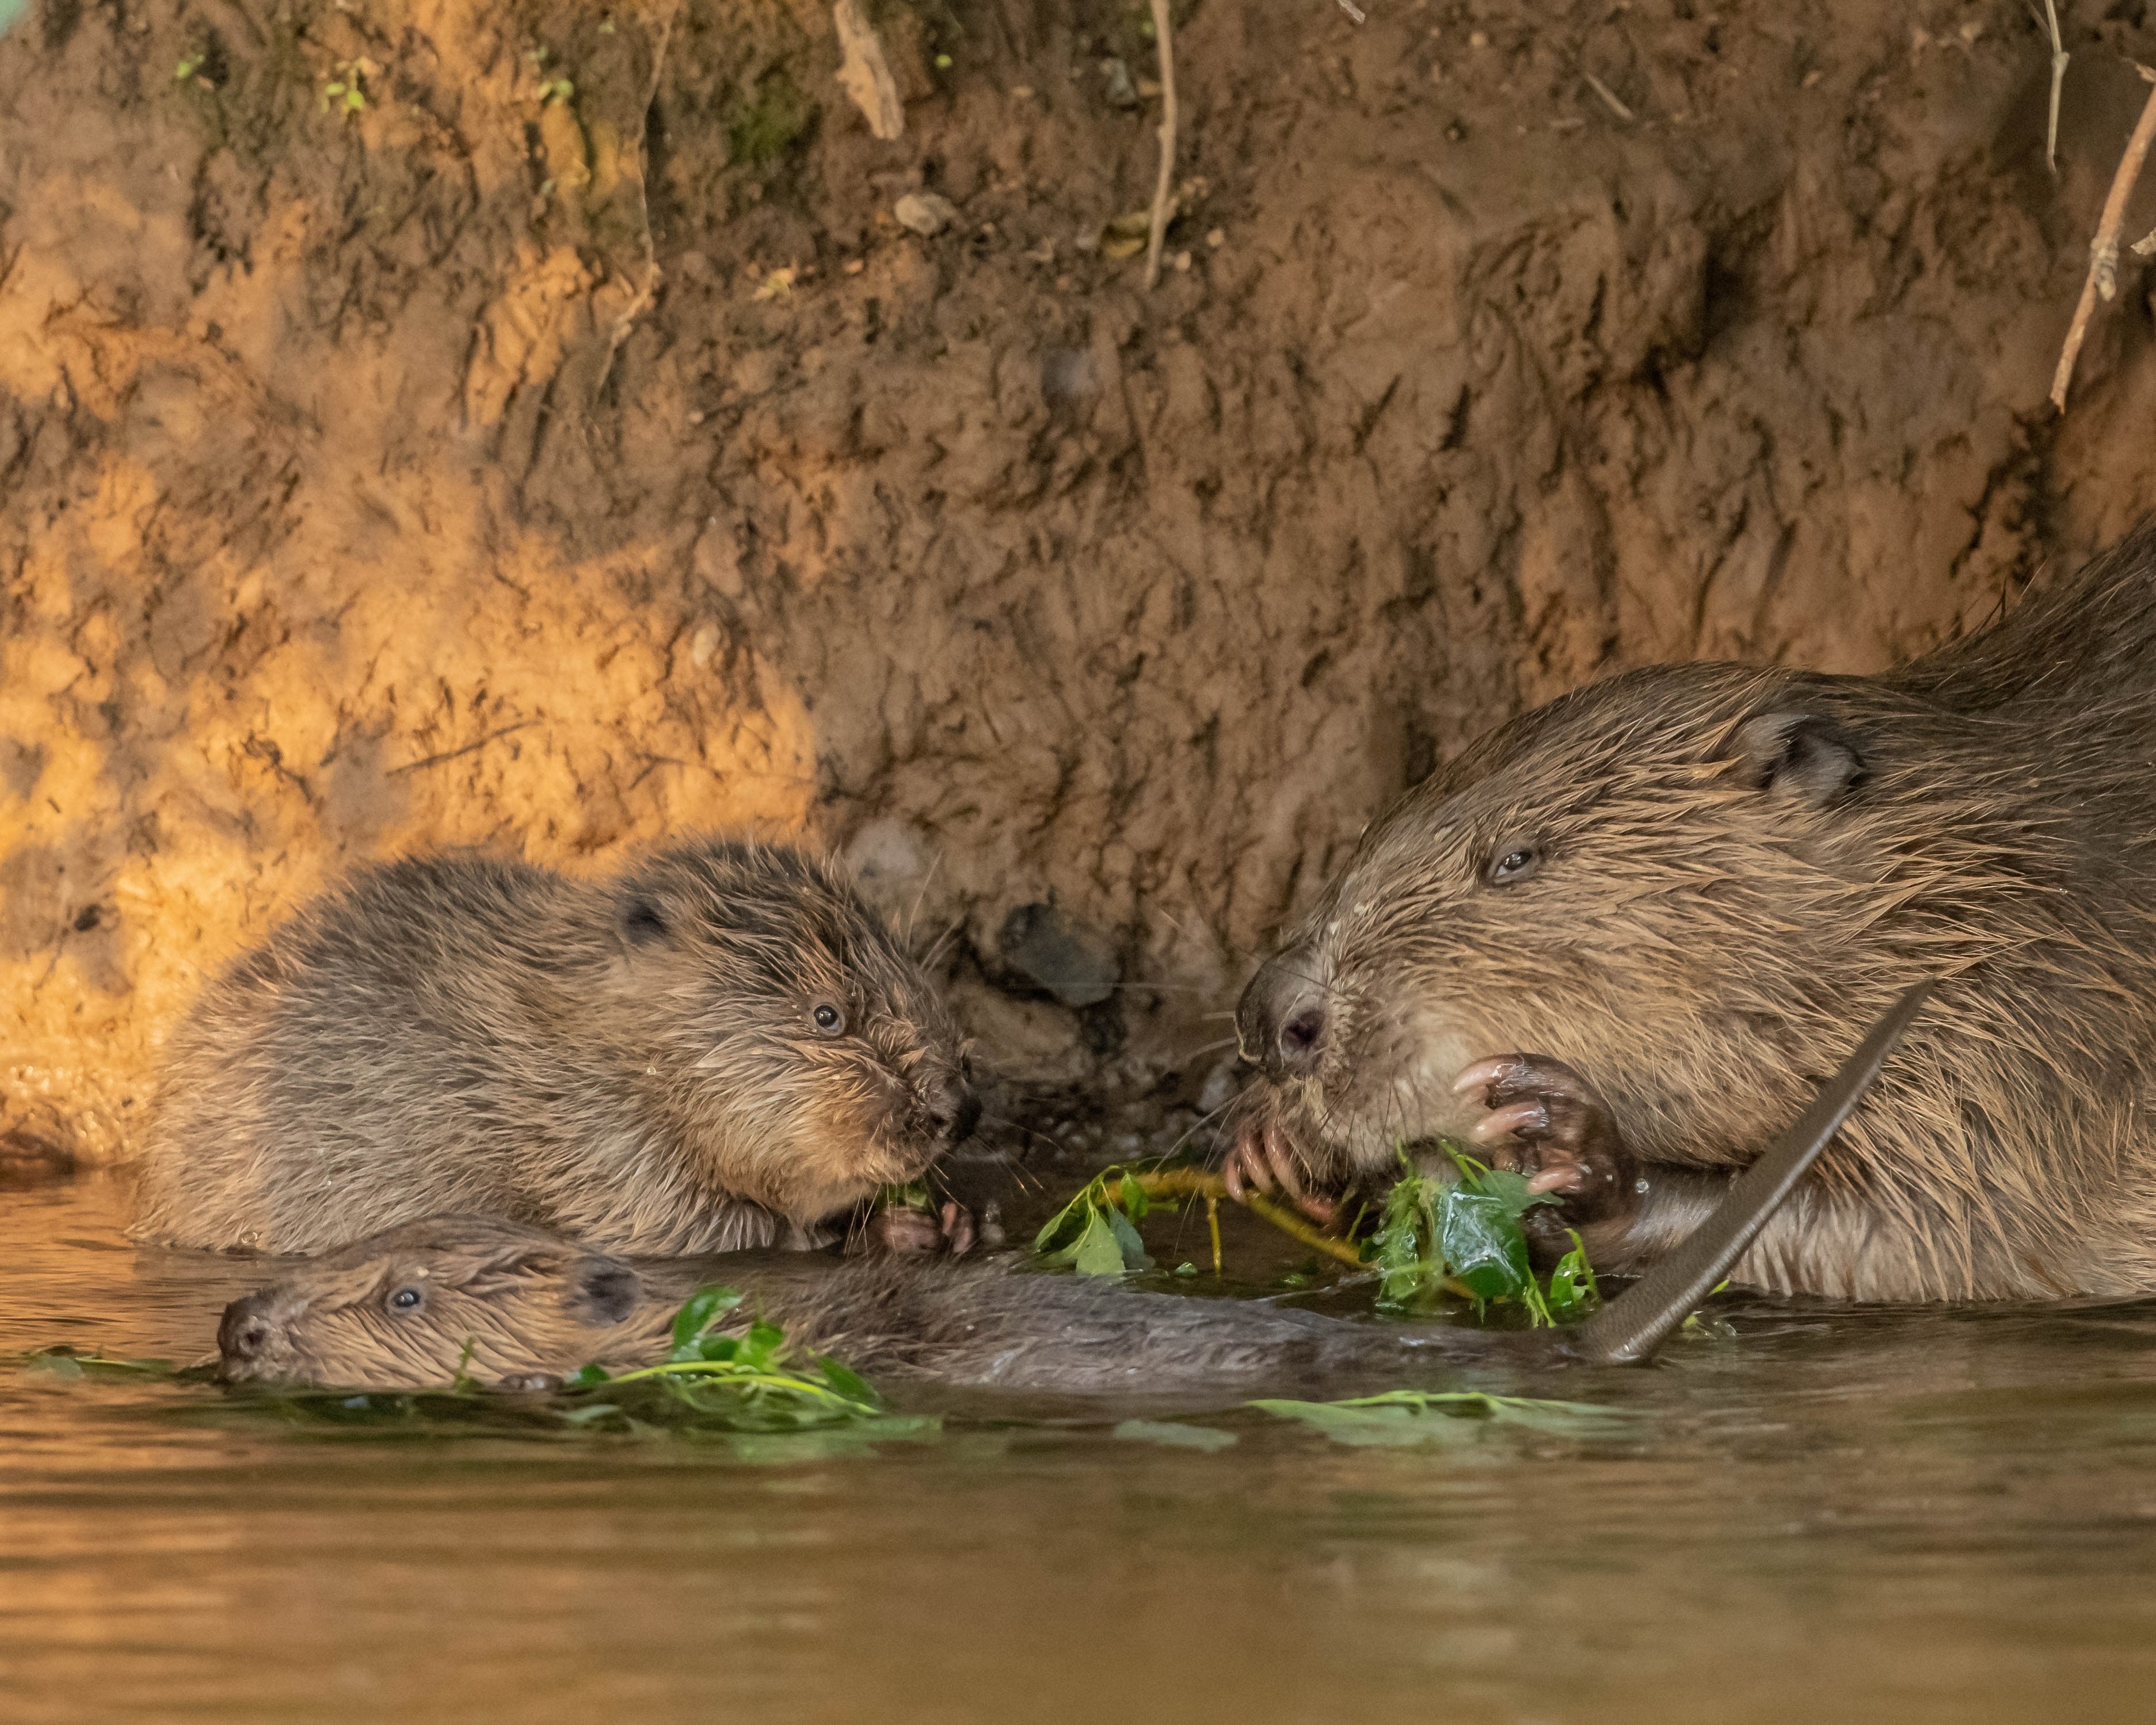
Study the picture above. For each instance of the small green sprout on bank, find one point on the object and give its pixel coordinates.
(552, 88)
(346, 89)
(187, 68)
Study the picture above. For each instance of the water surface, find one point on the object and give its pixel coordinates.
(1827, 1514)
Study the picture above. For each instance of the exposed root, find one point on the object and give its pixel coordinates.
(2059, 59)
(642, 300)
(1162, 194)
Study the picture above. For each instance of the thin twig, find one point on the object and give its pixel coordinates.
(1608, 95)
(2059, 59)
(421, 766)
(1164, 40)
(2103, 251)
(1198, 1183)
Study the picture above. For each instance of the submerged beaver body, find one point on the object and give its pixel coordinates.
(717, 1046)
(501, 1303)
(1622, 933)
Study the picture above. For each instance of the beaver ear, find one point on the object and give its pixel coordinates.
(643, 923)
(1801, 757)
(605, 1293)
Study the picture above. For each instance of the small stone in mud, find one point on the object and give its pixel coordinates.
(1059, 956)
(925, 213)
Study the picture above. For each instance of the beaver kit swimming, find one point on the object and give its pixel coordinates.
(719, 1042)
(1678, 891)
(424, 1304)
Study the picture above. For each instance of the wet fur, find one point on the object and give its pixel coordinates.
(630, 1059)
(1739, 868)
(527, 1304)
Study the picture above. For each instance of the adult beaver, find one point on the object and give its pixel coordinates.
(1684, 885)
(717, 1043)
(423, 1304)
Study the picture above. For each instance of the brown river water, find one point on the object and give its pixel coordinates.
(1821, 1514)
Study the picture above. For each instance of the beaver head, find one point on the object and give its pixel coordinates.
(1696, 884)
(782, 1033)
(415, 1307)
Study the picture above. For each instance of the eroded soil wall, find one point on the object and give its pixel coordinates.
(478, 460)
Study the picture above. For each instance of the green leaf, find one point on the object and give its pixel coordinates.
(1416, 1416)
(848, 1382)
(1128, 1242)
(1138, 1202)
(1400, 1250)
(1098, 1252)
(1572, 1293)
(761, 1348)
(1383, 1426)
(1063, 1230)
(588, 1376)
(705, 1307)
(1481, 1244)
(1174, 1436)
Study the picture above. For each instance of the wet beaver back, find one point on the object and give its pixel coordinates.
(719, 1041)
(1650, 913)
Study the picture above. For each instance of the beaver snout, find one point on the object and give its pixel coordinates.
(954, 1111)
(244, 1334)
(1283, 1019)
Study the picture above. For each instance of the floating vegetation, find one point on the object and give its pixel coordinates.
(1095, 1234)
(1437, 1240)
(1109, 1204)
(1173, 1434)
(70, 1365)
(749, 1382)
(1402, 1417)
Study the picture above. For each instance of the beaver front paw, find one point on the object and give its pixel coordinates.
(903, 1228)
(1548, 1122)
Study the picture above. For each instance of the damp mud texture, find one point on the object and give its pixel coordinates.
(534, 426)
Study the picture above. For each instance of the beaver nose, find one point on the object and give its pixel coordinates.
(245, 1332)
(956, 1110)
(1282, 1020)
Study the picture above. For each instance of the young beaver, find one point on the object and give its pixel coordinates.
(720, 1040)
(416, 1307)
(1687, 886)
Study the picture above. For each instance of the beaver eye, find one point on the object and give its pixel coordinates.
(1513, 864)
(829, 1019)
(405, 1300)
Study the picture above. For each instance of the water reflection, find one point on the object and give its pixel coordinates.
(1877, 1515)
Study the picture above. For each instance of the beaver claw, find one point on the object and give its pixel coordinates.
(899, 1228)
(1548, 1122)
(1265, 1159)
